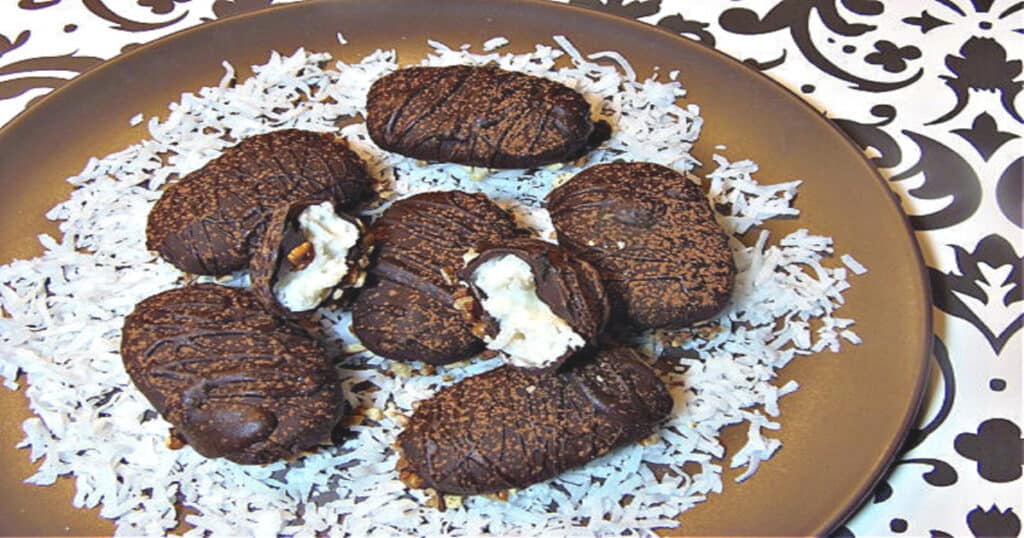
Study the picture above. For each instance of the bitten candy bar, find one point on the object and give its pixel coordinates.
(406, 310)
(535, 302)
(209, 222)
(308, 253)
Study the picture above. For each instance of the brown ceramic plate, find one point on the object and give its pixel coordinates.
(840, 431)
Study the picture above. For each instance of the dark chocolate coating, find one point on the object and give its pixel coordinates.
(569, 286)
(510, 428)
(209, 222)
(674, 266)
(406, 310)
(480, 116)
(234, 381)
(282, 235)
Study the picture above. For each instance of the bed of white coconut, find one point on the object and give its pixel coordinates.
(63, 312)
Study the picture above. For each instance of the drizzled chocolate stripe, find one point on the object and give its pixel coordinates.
(210, 221)
(509, 428)
(480, 116)
(570, 287)
(663, 258)
(235, 381)
(406, 312)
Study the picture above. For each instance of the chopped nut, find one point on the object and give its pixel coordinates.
(673, 338)
(447, 378)
(620, 244)
(530, 389)
(354, 348)
(175, 441)
(407, 475)
(477, 174)
(428, 369)
(401, 369)
(434, 500)
(502, 495)
(360, 281)
(464, 304)
(488, 354)
(591, 243)
(651, 439)
(392, 412)
(709, 331)
(336, 294)
(301, 256)
(453, 502)
(470, 255)
(374, 414)
(479, 330)
(561, 180)
(448, 277)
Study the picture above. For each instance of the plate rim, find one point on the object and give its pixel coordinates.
(841, 513)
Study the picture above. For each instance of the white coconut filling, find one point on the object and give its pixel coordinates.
(528, 331)
(332, 237)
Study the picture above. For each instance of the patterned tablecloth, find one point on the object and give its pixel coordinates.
(930, 89)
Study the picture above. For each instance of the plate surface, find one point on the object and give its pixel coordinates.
(840, 430)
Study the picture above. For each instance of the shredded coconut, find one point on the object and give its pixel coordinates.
(528, 331)
(852, 264)
(63, 313)
(494, 43)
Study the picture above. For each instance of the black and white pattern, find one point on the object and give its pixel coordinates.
(930, 89)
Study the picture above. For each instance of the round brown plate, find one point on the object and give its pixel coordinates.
(840, 430)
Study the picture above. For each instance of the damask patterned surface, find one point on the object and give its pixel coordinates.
(930, 89)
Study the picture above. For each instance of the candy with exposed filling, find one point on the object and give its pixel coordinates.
(309, 254)
(209, 222)
(535, 302)
(406, 311)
